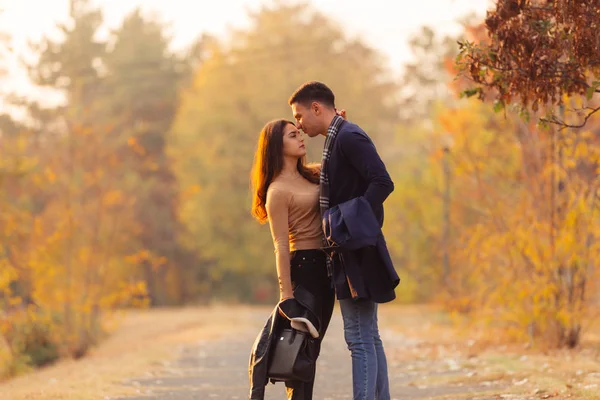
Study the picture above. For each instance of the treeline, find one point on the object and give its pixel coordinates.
(89, 201)
(134, 191)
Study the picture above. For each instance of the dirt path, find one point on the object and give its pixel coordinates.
(181, 354)
(218, 370)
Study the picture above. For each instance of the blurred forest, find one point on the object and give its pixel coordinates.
(135, 191)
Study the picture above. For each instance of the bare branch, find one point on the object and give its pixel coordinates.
(556, 121)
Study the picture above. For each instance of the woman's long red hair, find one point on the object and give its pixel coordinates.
(268, 163)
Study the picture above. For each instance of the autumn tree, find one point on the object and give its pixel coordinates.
(69, 64)
(414, 228)
(74, 254)
(538, 52)
(424, 79)
(140, 90)
(523, 252)
(89, 202)
(540, 229)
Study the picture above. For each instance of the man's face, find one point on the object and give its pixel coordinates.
(307, 118)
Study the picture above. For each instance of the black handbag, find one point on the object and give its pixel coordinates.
(292, 356)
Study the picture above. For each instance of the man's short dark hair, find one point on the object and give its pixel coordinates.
(313, 91)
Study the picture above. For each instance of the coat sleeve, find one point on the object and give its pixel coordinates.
(360, 152)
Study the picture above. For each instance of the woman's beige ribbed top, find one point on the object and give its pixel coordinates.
(294, 216)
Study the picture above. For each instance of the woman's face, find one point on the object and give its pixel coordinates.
(293, 142)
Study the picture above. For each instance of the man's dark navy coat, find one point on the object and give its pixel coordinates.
(355, 170)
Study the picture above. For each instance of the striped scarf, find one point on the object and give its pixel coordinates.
(332, 132)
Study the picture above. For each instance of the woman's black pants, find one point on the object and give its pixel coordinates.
(309, 269)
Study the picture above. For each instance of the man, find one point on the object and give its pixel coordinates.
(351, 168)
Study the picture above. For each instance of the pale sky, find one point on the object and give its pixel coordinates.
(384, 24)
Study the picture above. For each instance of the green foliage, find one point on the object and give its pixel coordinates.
(424, 80)
(592, 90)
(141, 99)
(471, 92)
(412, 226)
(30, 339)
(498, 106)
(34, 340)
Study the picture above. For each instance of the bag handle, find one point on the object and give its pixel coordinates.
(292, 336)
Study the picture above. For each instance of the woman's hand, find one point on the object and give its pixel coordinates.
(341, 113)
(282, 298)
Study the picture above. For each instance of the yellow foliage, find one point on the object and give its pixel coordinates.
(526, 259)
(67, 267)
(113, 197)
(7, 274)
(135, 146)
(50, 175)
(188, 194)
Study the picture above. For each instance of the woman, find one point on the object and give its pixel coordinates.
(285, 193)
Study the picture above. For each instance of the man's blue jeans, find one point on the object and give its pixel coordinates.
(369, 365)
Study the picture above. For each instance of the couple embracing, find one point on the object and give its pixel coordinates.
(326, 224)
